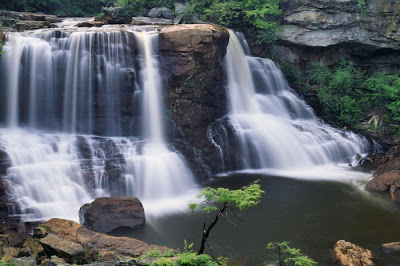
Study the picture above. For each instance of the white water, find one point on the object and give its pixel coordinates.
(52, 81)
(274, 128)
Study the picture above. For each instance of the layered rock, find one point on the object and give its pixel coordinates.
(192, 57)
(329, 31)
(106, 214)
(348, 254)
(76, 244)
(22, 21)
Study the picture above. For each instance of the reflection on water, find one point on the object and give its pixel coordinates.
(311, 215)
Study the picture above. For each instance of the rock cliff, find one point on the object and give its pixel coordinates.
(331, 30)
(196, 96)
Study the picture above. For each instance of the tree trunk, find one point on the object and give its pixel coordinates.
(206, 232)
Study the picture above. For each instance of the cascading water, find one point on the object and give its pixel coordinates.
(273, 127)
(59, 84)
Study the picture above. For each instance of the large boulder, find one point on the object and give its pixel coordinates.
(76, 244)
(160, 12)
(384, 181)
(106, 214)
(348, 254)
(391, 165)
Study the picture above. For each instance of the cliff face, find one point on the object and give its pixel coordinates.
(196, 95)
(331, 30)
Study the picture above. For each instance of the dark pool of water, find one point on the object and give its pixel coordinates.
(311, 215)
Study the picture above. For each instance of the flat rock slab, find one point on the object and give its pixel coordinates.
(109, 213)
(151, 21)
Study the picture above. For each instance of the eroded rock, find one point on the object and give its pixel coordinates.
(109, 213)
(348, 254)
(160, 12)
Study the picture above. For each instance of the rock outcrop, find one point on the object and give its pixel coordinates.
(76, 244)
(193, 56)
(22, 21)
(329, 31)
(391, 247)
(106, 214)
(348, 254)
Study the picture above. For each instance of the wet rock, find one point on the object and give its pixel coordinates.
(160, 12)
(90, 24)
(71, 241)
(31, 25)
(390, 165)
(394, 192)
(348, 254)
(193, 56)
(384, 181)
(106, 214)
(391, 247)
(30, 16)
(150, 21)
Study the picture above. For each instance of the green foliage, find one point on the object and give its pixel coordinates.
(188, 258)
(347, 92)
(222, 200)
(289, 256)
(138, 7)
(213, 198)
(292, 74)
(56, 7)
(339, 91)
(256, 18)
(384, 91)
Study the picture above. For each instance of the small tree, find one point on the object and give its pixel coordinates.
(289, 256)
(222, 200)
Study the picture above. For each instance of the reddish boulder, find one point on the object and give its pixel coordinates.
(391, 165)
(383, 181)
(106, 214)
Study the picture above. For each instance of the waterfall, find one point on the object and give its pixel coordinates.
(274, 128)
(82, 117)
(51, 78)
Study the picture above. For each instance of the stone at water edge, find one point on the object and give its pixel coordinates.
(348, 254)
(384, 181)
(106, 214)
(391, 247)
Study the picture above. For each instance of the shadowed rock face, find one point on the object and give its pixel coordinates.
(106, 214)
(329, 31)
(193, 56)
(324, 23)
